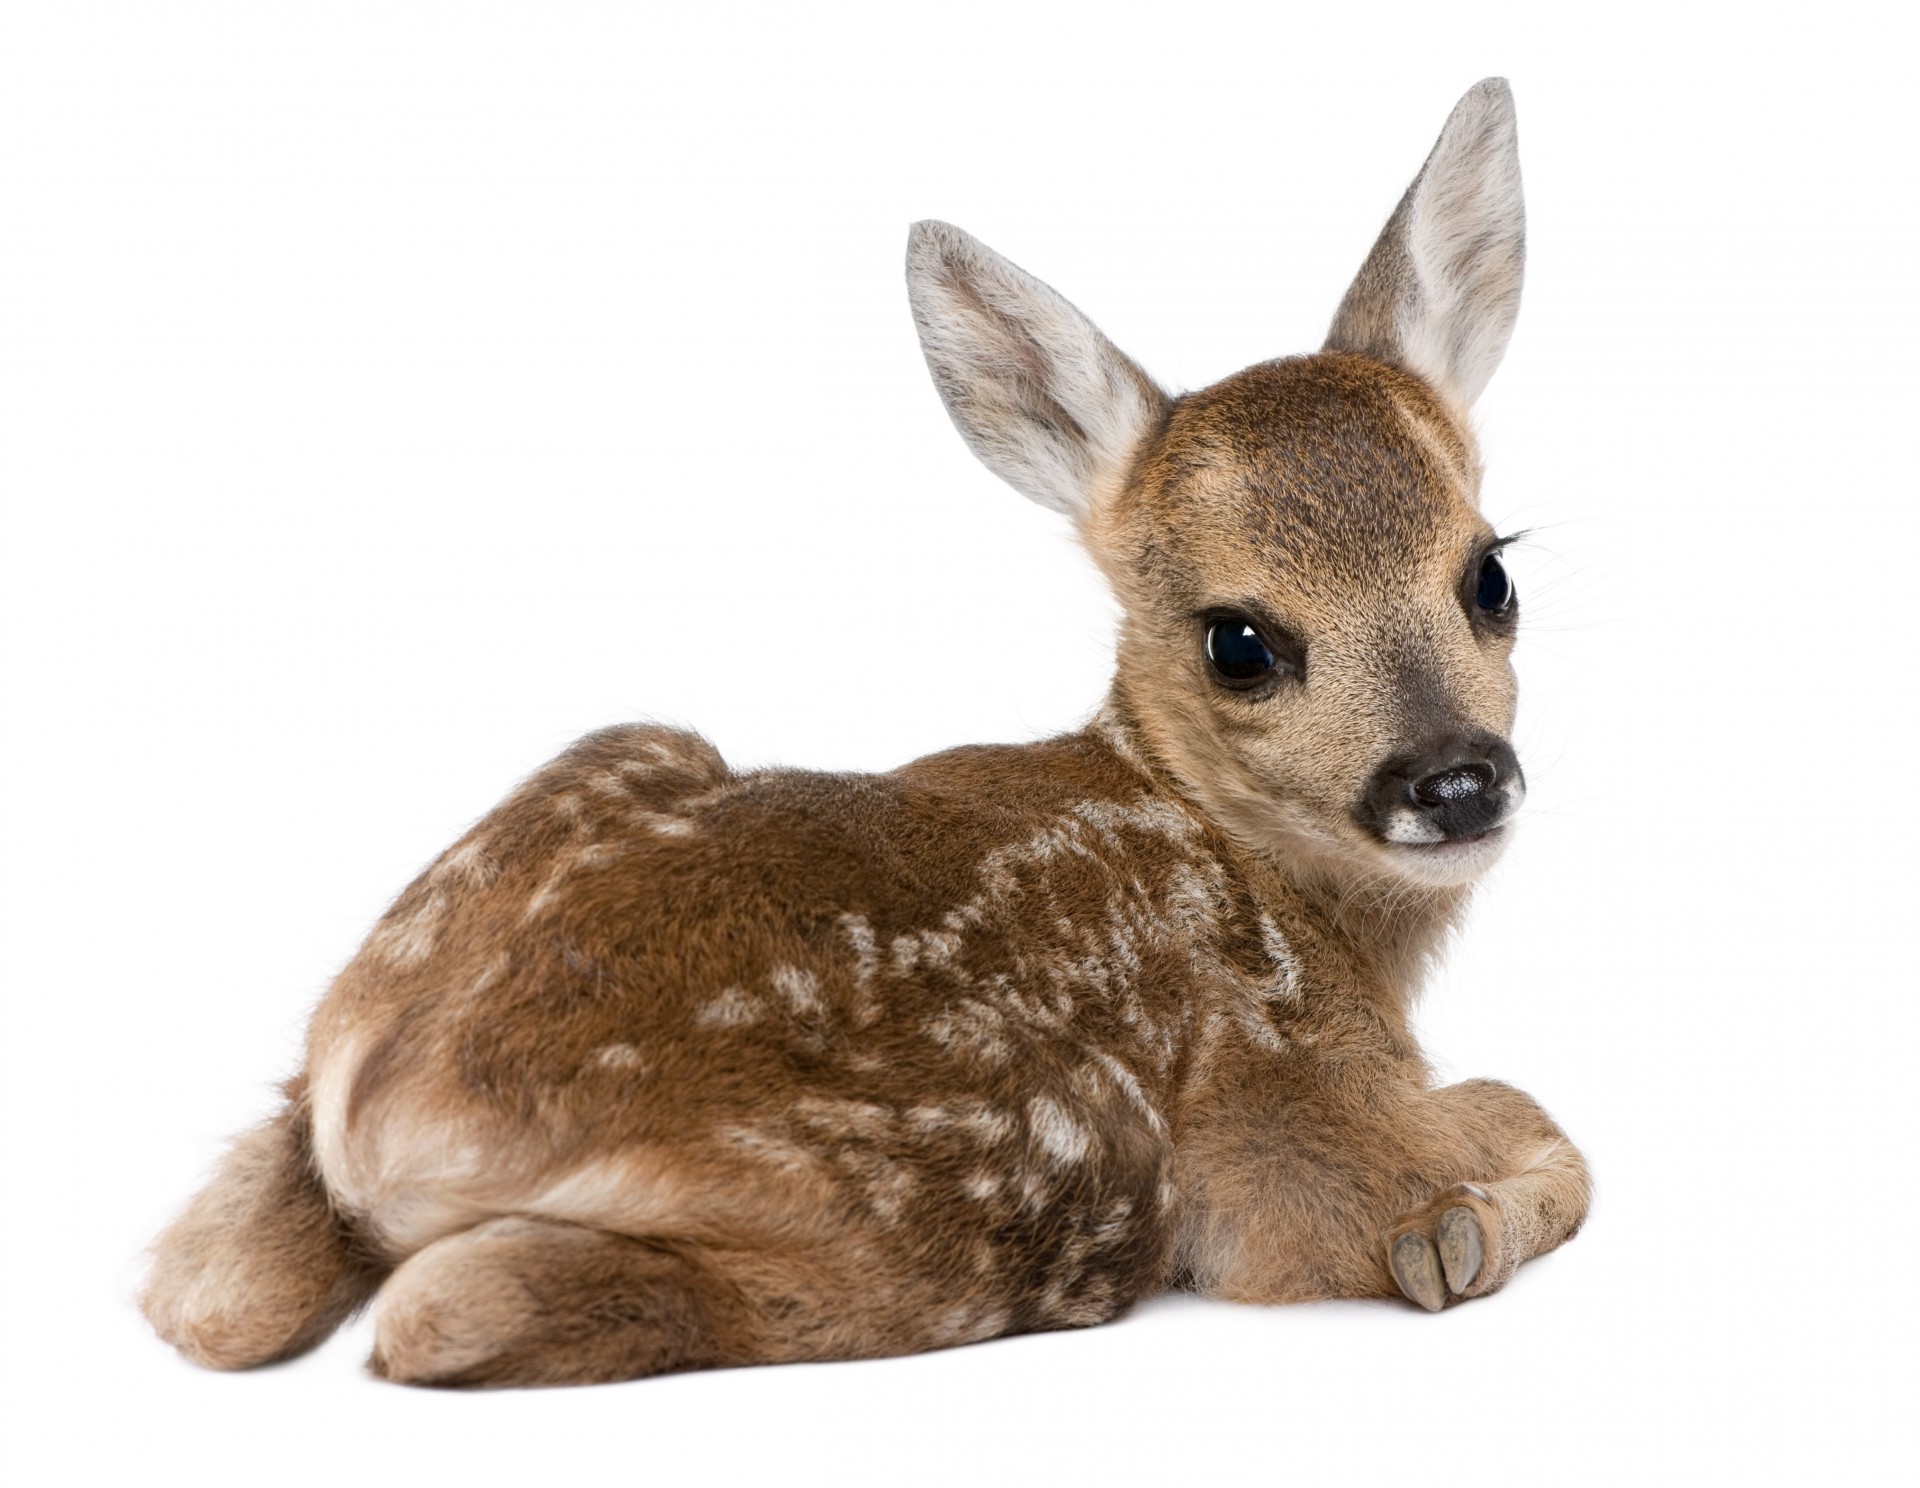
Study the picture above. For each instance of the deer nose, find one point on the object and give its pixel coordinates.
(1456, 786)
(1461, 783)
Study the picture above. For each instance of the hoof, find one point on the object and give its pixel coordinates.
(1462, 1248)
(1442, 1252)
(1417, 1268)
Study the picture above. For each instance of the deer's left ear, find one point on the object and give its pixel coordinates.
(1439, 293)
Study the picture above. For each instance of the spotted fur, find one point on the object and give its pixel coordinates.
(665, 1066)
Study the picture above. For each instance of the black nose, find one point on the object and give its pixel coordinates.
(1457, 786)
(1461, 783)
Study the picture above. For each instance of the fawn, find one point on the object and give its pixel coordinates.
(662, 1066)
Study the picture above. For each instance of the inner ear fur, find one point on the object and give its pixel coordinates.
(1438, 294)
(1048, 403)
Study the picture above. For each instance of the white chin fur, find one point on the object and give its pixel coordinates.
(1449, 864)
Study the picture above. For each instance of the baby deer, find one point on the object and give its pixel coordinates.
(663, 1066)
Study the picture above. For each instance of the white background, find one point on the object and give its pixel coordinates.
(393, 392)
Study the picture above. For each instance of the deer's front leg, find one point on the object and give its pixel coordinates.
(1345, 1188)
(1468, 1238)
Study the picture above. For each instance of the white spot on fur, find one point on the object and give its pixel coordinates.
(1193, 900)
(888, 1193)
(1107, 726)
(970, 1116)
(1242, 1023)
(866, 961)
(986, 1124)
(1129, 1086)
(657, 754)
(489, 974)
(733, 1008)
(1286, 967)
(547, 894)
(934, 949)
(618, 1057)
(965, 1324)
(1151, 817)
(1063, 1138)
(983, 1185)
(1115, 1225)
(886, 1184)
(844, 1118)
(470, 864)
(949, 1327)
(776, 1151)
(866, 955)
(407, 940)
(592, 855)
(800, 989)
(972, 1029)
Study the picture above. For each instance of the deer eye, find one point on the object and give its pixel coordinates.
(1495, 591)
(1238, 655)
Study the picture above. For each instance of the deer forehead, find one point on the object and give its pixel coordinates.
(1321, 478)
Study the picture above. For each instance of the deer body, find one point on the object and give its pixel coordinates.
(662, 1066)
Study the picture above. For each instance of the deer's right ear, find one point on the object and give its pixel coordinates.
(1047, 402)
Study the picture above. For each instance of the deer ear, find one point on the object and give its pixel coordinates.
(1438, 294)
(1047, 402)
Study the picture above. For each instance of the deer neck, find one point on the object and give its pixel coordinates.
(1389, 931)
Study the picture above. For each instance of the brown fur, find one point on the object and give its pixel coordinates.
(259, 1266)
(663, 1066)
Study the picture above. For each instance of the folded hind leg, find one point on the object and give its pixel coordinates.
(538, 1302)
(259, 1266)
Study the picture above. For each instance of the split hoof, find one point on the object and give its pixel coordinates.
(1437, 1258)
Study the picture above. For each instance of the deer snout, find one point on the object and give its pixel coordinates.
(1452, 788)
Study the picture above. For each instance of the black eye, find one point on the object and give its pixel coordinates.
(1239, 656)
(1495, 592)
